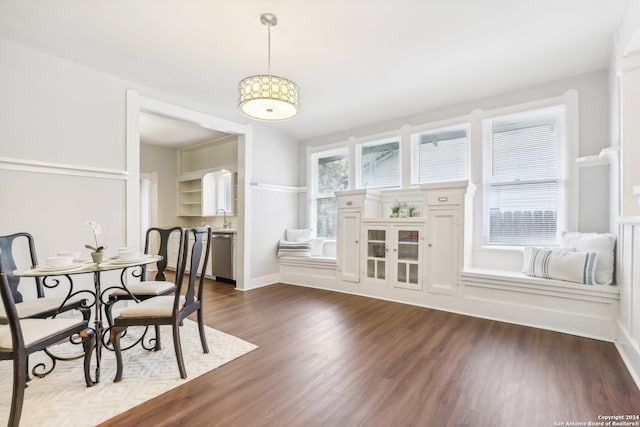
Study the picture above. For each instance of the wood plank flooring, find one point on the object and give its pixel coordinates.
(332, 359)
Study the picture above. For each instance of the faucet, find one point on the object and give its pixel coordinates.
(225, 224)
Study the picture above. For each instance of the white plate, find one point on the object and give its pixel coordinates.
(68, 269)
(118, 261)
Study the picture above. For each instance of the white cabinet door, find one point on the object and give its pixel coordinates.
(349, 246)
(407, 256)
(443, 250)
(377, 254)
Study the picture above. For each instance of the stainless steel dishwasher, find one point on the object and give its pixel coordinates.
(222, 248)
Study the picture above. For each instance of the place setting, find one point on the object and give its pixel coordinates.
(127, 255)
(62, 263)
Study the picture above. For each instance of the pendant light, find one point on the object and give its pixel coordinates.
(267, 97)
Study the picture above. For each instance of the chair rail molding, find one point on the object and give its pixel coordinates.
(36, 166)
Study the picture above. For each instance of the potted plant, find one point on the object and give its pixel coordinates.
(395, 209)
(97, 251)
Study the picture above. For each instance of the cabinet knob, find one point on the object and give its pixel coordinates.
(430, 245)
(357, 242)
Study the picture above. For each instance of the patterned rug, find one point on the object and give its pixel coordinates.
(62, 398)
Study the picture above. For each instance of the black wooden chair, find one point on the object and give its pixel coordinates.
(42, 306)
(146, 289)
(171, 309)
(22, 337)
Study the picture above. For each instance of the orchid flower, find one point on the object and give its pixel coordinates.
(96, 229)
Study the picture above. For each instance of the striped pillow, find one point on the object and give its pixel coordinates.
(576, 267)
(286, 248)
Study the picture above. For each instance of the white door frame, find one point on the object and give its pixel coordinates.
(136, 104)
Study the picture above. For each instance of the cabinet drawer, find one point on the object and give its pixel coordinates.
(444, 198)
(350, 202)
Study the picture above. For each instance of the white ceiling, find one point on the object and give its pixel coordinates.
(173, 133)
(357, 62)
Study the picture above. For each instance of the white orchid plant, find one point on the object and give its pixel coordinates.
(96, 229)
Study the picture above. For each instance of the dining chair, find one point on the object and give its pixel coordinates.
(22, 337)
(42, 306)
(146, 289)
(171, 309)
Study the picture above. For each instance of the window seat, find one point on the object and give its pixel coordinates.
(585, 310)
(518, 280)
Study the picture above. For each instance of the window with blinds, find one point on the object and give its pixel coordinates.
(441, 155)
(379, 164)
(332, 174)
(524, 178)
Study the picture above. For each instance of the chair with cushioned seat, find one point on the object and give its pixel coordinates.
(146, 289)
(171, 309)
(42, 306)
(21, 337)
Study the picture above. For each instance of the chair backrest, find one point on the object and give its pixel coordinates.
(164, 234)
(6, 246)
(197, 247)
(9, 303)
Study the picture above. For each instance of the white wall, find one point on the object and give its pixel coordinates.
(624, 207)
(273, 197)
(72, 118)
(63, 153)
(593, 134)
(164, 162)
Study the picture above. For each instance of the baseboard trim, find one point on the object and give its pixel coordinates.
(630, 354)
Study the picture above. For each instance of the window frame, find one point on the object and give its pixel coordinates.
(415, 146)
(358, 161)
(567, 201)
(314, 194)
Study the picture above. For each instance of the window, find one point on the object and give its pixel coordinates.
(379, 164)
(524, 177)
(440, 155)
(331, 170)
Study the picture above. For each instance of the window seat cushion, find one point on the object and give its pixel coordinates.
(519, 279)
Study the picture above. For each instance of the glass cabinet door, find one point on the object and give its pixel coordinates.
(408, 258)
(376, 254)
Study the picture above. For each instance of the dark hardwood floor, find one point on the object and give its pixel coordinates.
(332, 359)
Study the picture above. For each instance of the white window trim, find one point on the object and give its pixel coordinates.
(570, 222)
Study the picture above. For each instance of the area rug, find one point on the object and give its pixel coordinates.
(62, 398)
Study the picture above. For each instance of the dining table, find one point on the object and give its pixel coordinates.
(130, 268)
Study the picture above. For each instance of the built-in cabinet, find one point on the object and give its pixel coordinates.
(424, 253)
(394, 254)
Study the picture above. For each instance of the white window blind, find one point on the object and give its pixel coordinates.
(442, 155)
(332, 174)
(380, 165)
(524, 196)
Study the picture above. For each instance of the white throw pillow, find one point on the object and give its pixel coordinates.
(576, 267)
(299, 249)
(601, 243)
(529, 250)
(316, 246)
(298, 234)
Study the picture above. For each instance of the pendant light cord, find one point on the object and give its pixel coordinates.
(269, 48)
